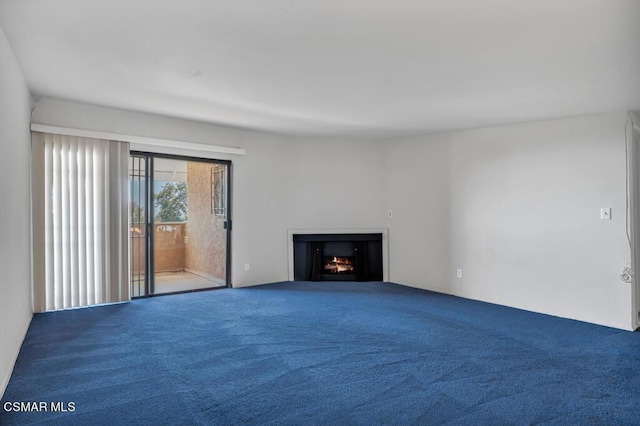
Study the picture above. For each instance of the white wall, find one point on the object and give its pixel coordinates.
(418, 194)
(281, 183)
(15, 211)
(633, 137)
(520, 215)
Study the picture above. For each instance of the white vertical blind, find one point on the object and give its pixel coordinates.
(82, 183)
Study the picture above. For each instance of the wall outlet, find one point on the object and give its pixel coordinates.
(459, 273)
(246, 267)
(605, 213)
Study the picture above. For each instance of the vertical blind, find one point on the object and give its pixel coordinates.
(80, 229)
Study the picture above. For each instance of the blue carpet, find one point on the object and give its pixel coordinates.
(323, 353)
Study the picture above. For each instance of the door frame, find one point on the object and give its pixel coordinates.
(149, 268)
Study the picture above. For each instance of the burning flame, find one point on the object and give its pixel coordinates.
(339, 264)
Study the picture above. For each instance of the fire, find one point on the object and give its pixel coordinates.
(337, 265)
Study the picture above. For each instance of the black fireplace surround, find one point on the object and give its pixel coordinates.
(337, 257)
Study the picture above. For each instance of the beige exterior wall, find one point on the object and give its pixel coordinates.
(138, 250)
(169, 247)
(205, 250)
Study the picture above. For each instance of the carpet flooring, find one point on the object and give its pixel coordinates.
(322, 353)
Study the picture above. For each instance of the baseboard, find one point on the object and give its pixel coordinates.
(5, 380)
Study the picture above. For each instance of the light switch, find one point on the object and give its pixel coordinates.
(605, 213)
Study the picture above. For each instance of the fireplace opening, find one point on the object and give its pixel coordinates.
(337, 257)
(338, 265)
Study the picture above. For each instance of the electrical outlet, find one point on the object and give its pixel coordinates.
(246, 267)
(605, 213)
(459, 273)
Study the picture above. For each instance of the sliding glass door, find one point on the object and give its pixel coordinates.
(180, 224)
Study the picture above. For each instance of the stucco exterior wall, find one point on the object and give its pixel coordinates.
(206, 237)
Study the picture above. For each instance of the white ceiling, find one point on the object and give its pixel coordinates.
(334, 67)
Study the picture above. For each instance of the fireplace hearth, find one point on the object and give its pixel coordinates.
(337, 257)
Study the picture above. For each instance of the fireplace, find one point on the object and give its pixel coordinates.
(337, 257)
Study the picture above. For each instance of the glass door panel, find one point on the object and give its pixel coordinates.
(189, 225)
(138, 222)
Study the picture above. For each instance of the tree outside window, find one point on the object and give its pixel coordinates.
(171, 202)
